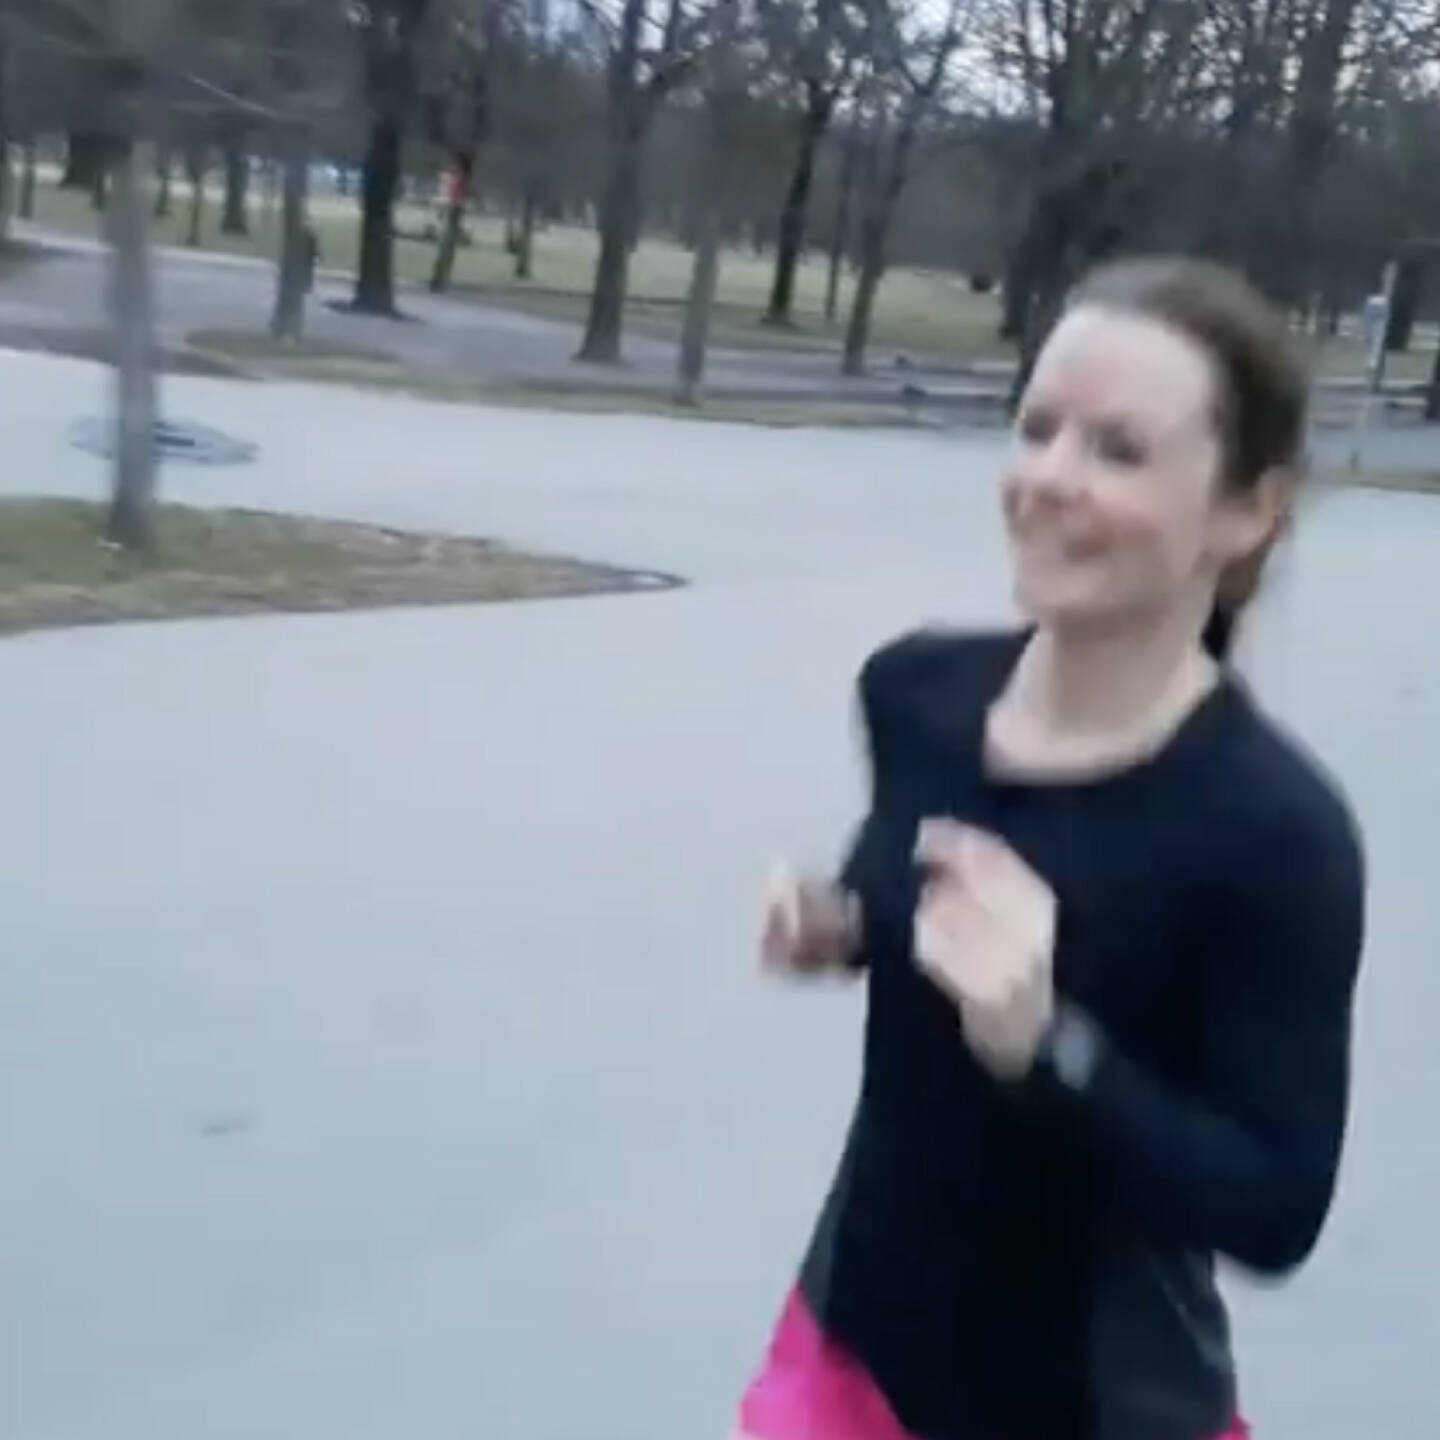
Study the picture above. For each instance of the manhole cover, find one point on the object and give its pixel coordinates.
(173, 439)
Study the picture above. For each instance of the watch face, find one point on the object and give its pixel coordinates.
(1073, 1052)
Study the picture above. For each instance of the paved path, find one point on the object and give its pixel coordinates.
(382, 1054)
(461, 338)
(455, 336)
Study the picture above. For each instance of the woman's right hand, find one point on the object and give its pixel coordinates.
(810, 927)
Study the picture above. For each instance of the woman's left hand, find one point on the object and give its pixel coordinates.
(985, 934)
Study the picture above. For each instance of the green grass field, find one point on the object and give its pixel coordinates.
(924, 314)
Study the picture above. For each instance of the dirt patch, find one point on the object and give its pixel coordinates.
(79, 343)
(251, 345)
(1419, 482)
(16, 254)
(55, 570)
(1336, 475)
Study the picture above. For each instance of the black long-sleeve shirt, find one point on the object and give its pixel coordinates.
(1014, 1262)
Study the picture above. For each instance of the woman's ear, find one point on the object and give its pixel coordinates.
(1252, 520)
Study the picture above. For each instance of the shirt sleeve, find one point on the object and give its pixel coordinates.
(886, 682)
(871, 689)
(1247, 1165)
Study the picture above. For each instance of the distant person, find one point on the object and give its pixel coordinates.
(1111, 919)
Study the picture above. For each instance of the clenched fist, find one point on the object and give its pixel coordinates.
(985, 935)
(810, 927)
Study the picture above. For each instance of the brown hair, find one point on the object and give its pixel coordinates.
(1262, 385)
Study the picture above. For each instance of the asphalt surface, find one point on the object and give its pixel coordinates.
(382, 1052)
(450, 339)
(447, 337)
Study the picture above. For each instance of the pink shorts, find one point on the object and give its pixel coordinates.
(811, 1389)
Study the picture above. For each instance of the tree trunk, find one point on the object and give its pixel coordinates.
(379, 183)
(710, 194)
(162, 188)
(132, 519)
(699, 305)
(444, 269)
(270, 175)
(85, 159)
(862, 308)
(1018, 293)
(1404, 306)
(293, 274)
(236, 217)
(794, 215)
(1047, 299)
(1432, 393)
(7, 187)
(27, 179)
(525, 241)
(619, 223)
(1310, 144)
(840, 234)
(195, 173)
(100, 183)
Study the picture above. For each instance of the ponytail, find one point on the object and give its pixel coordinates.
(1218, 637)
(1236, 589)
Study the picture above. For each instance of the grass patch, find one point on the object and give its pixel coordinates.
(387, 377)
(248, 345)
(779, 414)
(79, 343)
(1415, 481)
(919, 311)
(15, 255)
(56, 571)
(928, 315)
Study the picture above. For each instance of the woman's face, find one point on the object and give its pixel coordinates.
(1111, 494)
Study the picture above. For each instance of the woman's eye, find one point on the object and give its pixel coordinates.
(1118, 447)
(1037, 426)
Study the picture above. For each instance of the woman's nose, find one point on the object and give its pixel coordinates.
(1052, 469)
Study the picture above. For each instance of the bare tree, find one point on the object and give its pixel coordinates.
(296, 39)
(131, 523)
(460, 116)
(724, 93)
(6, 175)
(29, 164)
(548, 101)
(842, 224)
(390, 32)
(1101, 81)
(235, 157)
(164, 173)
(1432, 390)
(196, 158)
(904, 100)
(818, 44)
(1326, 29)
(131, 34)
(639, 81)
(287, 321)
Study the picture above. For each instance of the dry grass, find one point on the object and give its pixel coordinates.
(920, 313)
(56, 571)
(917, 311)
(13, 256)
(80, 343)
(1419, 482)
